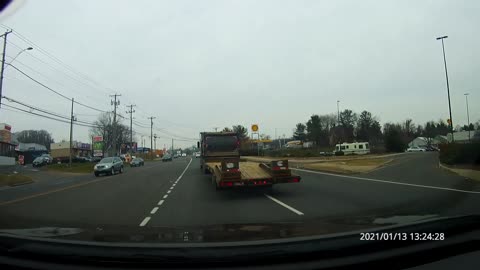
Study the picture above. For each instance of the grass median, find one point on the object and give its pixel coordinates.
(348, 166)
(14, 180)
(75, 168)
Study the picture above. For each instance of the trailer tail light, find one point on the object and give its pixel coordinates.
(226, 184)
(295, 180)
(260, 183)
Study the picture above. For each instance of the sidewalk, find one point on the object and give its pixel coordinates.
(468, 173)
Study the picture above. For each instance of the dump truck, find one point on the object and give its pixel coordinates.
(220, 157)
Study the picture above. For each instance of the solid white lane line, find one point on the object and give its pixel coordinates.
(145, 221)
(186, 168)
(285, 205)
(165, 196)
(154, 210)
(160, 202)
(390, 182)
(168, 191)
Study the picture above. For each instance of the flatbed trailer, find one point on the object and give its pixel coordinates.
(235, 173)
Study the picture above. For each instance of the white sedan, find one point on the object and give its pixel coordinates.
(416, 149)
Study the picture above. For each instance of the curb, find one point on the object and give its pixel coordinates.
(21, 184)
(461, 172)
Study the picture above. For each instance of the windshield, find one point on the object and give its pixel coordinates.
(207, 121)
(106, 160)
(221, 143)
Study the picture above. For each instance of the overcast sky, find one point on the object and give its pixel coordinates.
(196, 65)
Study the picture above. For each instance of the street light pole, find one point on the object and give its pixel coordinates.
(18, 54)
(468, 116)
(448, 87)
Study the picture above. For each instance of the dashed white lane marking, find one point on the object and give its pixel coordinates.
(390, 182)
(285, 205)
(145, 221)
(155, 209)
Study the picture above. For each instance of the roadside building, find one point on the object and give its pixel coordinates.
(420, 142)
(30, 151)
(7, 147)
(464, 136)
(439, 139)
(61, 150)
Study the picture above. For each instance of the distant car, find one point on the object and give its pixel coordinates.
(137, 162)
(39, 161)
(108, 165)
(184, 154)
(197, 154)
(47, 158)
(416, 149)
(327, 154)
(431, 148)
(96, 159)
(167, 157)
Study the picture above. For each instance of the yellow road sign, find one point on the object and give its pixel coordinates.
(255, 127)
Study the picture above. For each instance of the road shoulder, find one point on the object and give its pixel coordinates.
(471, 174)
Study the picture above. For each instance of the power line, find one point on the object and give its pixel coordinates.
(45, 111)
(49, 117)
(60, 62)
(34, 108)
(28, 76)
(65, 97)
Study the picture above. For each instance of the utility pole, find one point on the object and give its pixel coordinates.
(172, 146)
(131, 111)
(3, 61)
(338, 111)
(448, 87)
(115, 103)
(468, 116)
(151, 133)
(71, 134)
(155, 141)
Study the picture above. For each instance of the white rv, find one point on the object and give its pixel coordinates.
(359, 148)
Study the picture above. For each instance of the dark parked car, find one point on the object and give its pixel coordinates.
(39, 161)
(96, 159)
(109, 166)
(167, 157)
(136, 162)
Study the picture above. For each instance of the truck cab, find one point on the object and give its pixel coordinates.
(216, 146)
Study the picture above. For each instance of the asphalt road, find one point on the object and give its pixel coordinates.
(178, 194)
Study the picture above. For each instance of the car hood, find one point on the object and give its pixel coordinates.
(220, 232)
